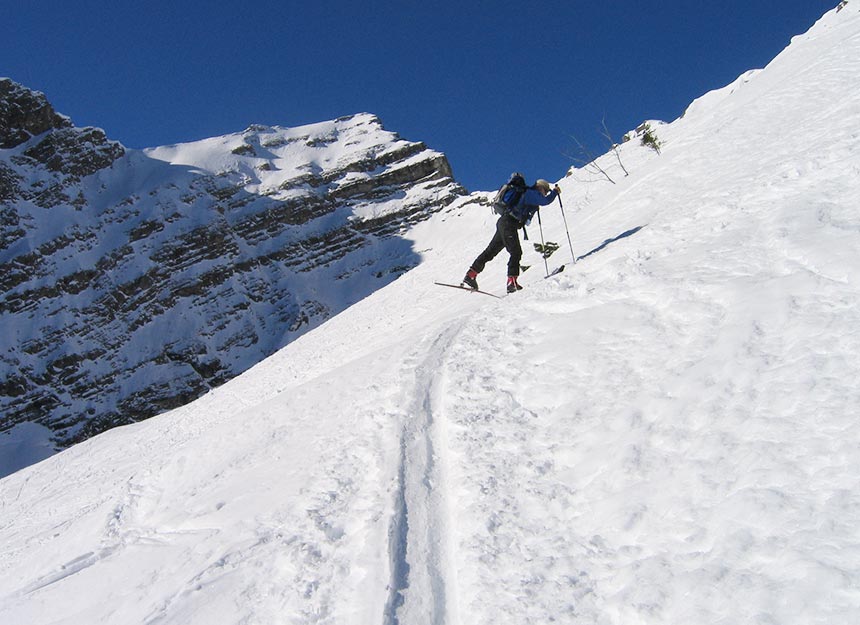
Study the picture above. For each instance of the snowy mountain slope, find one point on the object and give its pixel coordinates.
(664, 433)
(134, 281)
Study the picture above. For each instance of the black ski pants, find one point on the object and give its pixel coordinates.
(506, 238)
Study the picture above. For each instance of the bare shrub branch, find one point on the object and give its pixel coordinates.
(614, 146)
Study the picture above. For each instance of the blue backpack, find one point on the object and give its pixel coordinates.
(509, 196)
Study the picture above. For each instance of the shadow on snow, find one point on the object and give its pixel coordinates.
(607, 242)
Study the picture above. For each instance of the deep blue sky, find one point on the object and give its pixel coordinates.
(498, 86)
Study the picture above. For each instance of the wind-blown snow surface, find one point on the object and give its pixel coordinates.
(665, 433)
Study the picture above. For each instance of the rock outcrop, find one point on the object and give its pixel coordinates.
(24, 114)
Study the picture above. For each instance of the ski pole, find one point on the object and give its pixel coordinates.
(542, 246)
(566, 229)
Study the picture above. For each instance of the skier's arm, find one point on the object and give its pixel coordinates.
(549, 198)
(536, 198)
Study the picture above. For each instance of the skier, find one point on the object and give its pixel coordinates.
(507, 237)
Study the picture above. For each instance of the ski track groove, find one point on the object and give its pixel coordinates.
(422, 586)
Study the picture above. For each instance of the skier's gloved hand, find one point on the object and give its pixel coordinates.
(558, 190)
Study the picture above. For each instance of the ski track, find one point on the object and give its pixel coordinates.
(423, 586)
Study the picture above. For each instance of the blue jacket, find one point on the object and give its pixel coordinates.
(529, 204)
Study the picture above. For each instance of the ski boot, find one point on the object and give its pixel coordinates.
(470, 279)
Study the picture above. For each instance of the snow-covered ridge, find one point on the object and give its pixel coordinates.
(135, 280)
(276, 160)
(664, 433)
(712, 99)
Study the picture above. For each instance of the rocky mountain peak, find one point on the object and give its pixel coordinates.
(44, 145)
(133, 281)
(25, 113)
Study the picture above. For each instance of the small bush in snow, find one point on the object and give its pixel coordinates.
(649, 138)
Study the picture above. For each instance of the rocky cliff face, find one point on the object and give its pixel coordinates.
(133, 281)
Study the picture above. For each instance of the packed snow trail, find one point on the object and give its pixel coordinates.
(425, 586)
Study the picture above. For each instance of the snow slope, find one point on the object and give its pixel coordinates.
(665, 433)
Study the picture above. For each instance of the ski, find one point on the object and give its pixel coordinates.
(466, 288)
(555, 271)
